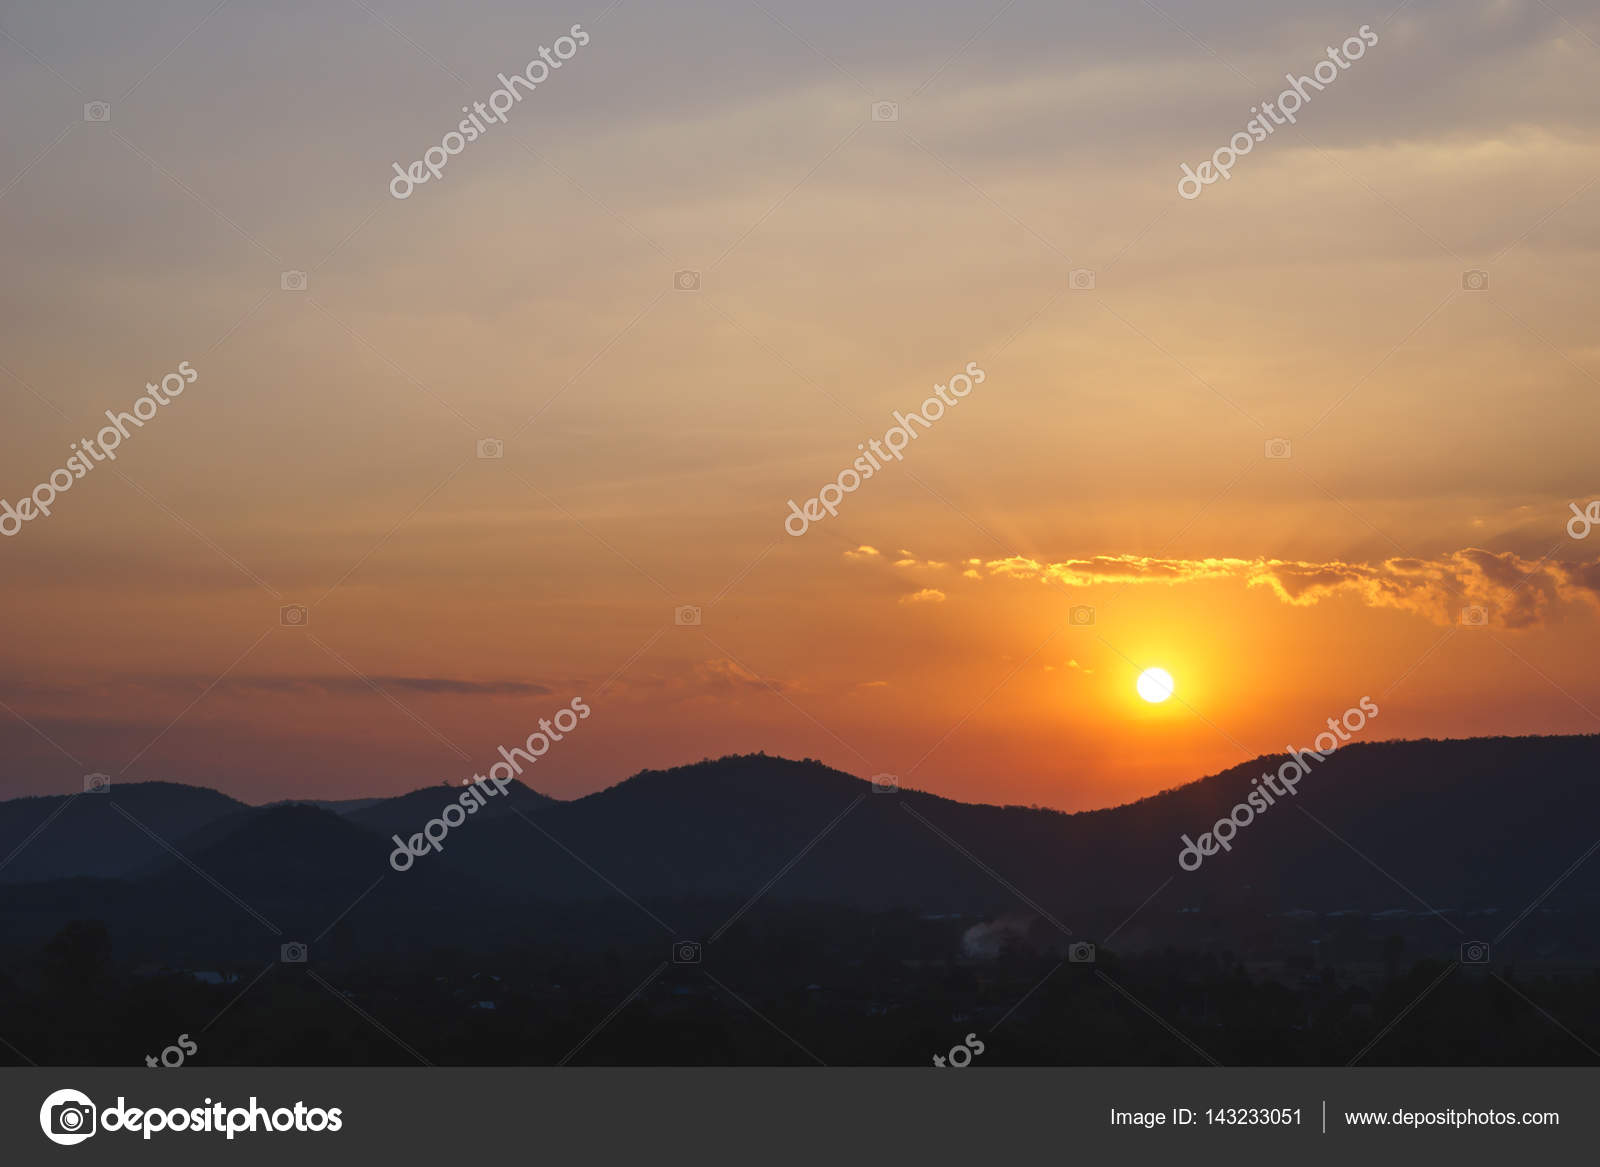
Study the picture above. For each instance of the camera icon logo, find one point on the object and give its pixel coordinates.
(292, 953)
(1474, 616)
(1475, 952)
(491, 448)
(885, 111)
(1080, 615)
(1081, 953)
(1278, 449)
(686, 952)
(67, 1117)
(686, 280)
(292, 281)
(96, 783)
(686, 616)
(293, 615)
(97, 111)
(885, 784)
(1475, 280)
(1081, 279)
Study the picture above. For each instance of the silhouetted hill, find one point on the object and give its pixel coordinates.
(864, 924)
(725, 829)
(99, 834)
(337, 805)
(266, 876)
(1485, 823)
(405, 814)
(1476, 825)
(285, 847)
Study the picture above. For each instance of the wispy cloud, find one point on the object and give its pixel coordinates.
(346, 685)
(1517, 592)
(443, 685)
(726, 674)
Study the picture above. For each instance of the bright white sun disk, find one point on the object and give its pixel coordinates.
(1155, 685)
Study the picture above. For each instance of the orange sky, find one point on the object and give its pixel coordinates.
(1114, 455)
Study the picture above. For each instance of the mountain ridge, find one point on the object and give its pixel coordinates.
(1422, 823)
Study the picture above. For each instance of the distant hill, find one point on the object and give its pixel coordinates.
(406, 814)
(1461, 825)
(98, 834)
(337, 805)
(1484, 822)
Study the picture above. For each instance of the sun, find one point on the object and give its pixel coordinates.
(1155, 685)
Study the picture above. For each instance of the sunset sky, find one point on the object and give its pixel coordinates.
(1114, 456)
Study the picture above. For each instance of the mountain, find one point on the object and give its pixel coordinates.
(1480, 825)
(337, 805)
(105, 833)
(408, 813)
(127, 829)
(1461, 824)
(728, 911)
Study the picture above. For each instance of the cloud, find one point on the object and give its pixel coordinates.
(730, 675)
(343, 685)
(1517, 592)
(925, 596)
(353, 684)
(907, 558)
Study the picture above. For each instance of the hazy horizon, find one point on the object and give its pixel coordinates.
(529, 779)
